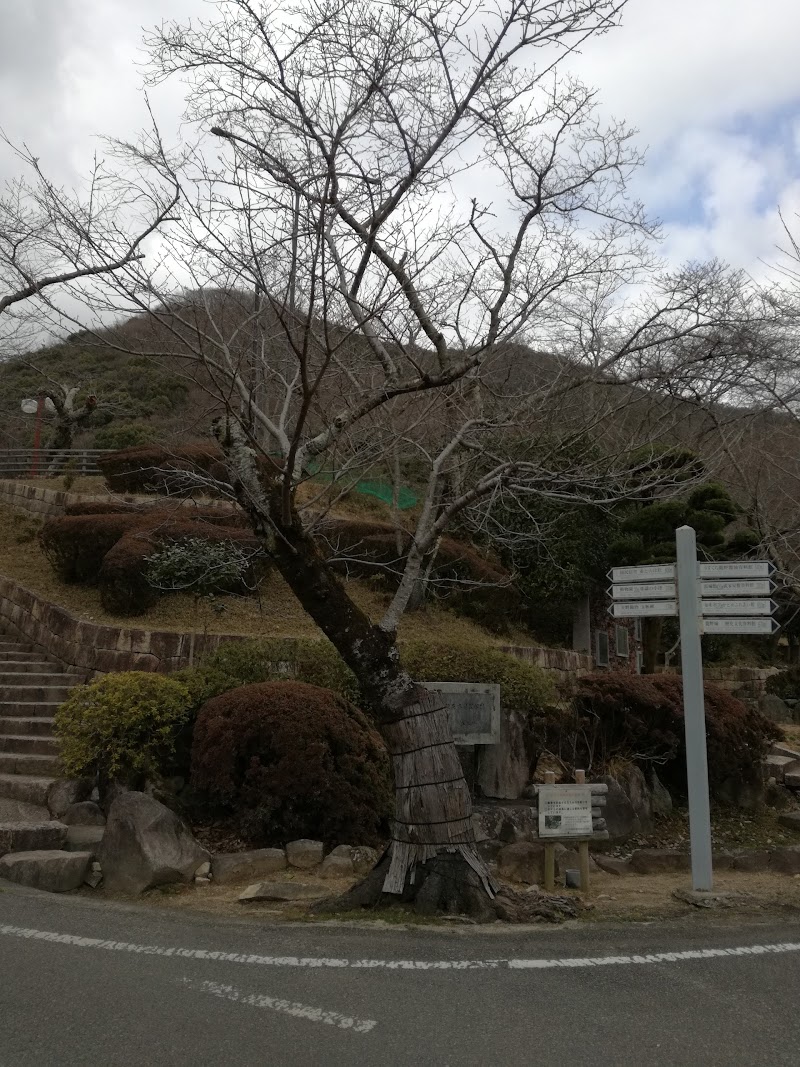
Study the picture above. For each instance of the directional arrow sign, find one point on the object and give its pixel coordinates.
(656, 573)
(747, 606)
(637, 590)
(642, 609)
(761, 569)
(740, 626)
(759, 587)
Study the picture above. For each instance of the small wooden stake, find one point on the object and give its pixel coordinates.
(583, 846)
(550, 848)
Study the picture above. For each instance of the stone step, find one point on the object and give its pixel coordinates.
(33, 836)
(34, 693)
(29, 744)
(14, 763)
(21, 652)
(55, 871)
(27, 788)
(9, 645)
(18, 665)
(42, 727)
(28, 709)
(45, 679)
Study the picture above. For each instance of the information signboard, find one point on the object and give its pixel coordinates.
(565, 810)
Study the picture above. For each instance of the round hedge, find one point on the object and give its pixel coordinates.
(286, 760)
(122, 726)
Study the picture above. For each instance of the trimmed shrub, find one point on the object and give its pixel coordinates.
(121, 727)
(786, 684)
(238, 663)
(125, 588)
(286, 760)
(523, 686)
(75, 545)
(156, 468)
(640, 718)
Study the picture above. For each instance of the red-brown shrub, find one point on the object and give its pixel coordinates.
(124, 588)
(75, 545)
(640, 717)
(154, 468)
(287, 760)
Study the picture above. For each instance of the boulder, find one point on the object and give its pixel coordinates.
(84, 813)
(774, 708)
(204, 870)
(659, 861)
(790, 819)
(280, 891)
(84, 839)
(505, 768)
(337, 867)
(786, 860)
(753, 860)
(660, 799)
(507, 823)
(364, 859)
(612, 864)
(634, 783)
(227, 867)
(304, 854)
(791, 779)
(146, 845)
(51, 870)
(620, 815)
(67, 791)
(744, 793)
(521, 861)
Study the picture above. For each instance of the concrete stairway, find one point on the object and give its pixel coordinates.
(32, 685)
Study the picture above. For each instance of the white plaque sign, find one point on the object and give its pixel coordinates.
(746, 587)
(754, 569)
(565, 810)
(656, 572)
(633, 609)
(642, 590)
(740, 626)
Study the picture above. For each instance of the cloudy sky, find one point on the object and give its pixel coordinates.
(712, 85)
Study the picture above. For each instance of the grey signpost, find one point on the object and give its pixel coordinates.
(720, 598)
(694, 712)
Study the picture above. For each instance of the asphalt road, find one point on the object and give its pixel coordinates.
(83, 982)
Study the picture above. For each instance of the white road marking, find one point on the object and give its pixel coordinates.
(287, 1007)
(397, 965)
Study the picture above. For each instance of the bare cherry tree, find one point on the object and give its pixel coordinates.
(426, 233)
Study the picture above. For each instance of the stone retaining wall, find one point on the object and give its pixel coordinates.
(92, 647)
(746, 683)
(35, 500)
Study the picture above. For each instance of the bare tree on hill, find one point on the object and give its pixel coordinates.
(408, 203)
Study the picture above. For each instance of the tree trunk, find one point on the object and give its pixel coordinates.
(433, 807)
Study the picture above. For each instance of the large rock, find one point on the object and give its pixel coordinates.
(84, 839)
(84, 813)
(146, 845)
(364, 859)
(745, 793)
(340, 866)
(774, 708)
(506, 768)
(280, 891)
(304, 854)
(67, 791)
(621, 818)
(660, 798)
(659, 861)
(506, 823)
(521, 862)
(52, 870)
(612, 864)
(786, 860)
(753, 860)
(634, 783)
(227, 867)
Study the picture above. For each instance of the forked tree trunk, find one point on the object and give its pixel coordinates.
(432, 854)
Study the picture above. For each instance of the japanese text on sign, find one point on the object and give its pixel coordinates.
(565, 810)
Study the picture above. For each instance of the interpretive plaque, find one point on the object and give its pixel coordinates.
(474, 710)
(565, 810)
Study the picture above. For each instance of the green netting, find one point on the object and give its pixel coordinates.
(406, 498)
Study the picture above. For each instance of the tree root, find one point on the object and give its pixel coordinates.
(447, 885)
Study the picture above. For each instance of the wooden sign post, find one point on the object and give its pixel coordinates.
(570, 813)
